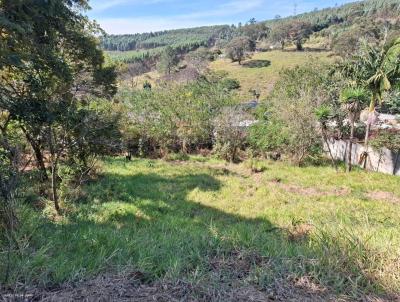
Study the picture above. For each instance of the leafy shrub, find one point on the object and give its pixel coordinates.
(173, 117)
(230, 133)
(386, 139)
(257, 63)
(230, 84)
(289, 125)
(268, 136)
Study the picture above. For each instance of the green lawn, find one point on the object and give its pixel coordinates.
(263, 78)
(177, 220)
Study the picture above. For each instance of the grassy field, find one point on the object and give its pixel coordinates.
(219, 227)
(263, 79)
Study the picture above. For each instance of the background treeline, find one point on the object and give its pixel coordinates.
(337, 29)
(198, 36)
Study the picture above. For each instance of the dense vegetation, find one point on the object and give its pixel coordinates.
(176, 184)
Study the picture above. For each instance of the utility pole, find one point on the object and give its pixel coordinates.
(295, 9)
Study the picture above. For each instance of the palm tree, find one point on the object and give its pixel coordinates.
(323, 114)
(377, 69)
(353, 100)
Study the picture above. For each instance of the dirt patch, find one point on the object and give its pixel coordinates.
(230, 278)
(133, 287)
(383, 196)
(309, 191)
(300, 232)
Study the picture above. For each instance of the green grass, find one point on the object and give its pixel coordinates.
(263, 78)
(169, 219)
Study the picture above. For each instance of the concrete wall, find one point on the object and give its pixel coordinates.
(384, 161)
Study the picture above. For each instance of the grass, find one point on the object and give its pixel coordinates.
(175, 220)
(263, 78)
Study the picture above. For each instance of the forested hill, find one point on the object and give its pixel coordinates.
(190, 38)
(185, 38)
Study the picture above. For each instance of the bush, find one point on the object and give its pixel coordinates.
(268, 136)
(230, 84)
(230, 133)
(386, 139)
(173, 118)
(289, 125)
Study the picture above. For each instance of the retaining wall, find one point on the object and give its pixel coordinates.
(384, 161)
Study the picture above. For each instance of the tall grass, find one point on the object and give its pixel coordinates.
(175, 220)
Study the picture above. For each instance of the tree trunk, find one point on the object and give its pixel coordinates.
(184, 147)
(395, 162)
(368, 129)
(54, 187)
(38, 155)
(283, 45)
(54, 168)
(349, 151)
(325, 138)
(40, 162)
(299, 46)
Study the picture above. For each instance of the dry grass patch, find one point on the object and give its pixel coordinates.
(383, 196)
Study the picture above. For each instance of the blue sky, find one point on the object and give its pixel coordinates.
(132, 16)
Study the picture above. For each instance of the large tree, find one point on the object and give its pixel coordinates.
(168, 60)
(298, 32)
(50, 64)
(295, 31)
(237, 49)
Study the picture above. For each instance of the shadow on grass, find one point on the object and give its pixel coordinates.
(257, 63)
(150, 222)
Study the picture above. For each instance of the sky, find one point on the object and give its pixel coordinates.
(137, 16)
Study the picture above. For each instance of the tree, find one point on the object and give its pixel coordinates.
(252, 21)
(295, 31)
(168, 60)
(50, 65)
(255, 31)
(298, 32)
(230, 133)
(353, 100)
(238, 48)
(324, 114)
(346, 43)
(200, 58)
(378, 70)
(280, 33)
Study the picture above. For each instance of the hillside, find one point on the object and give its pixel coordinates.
(262, 79)
(329, 22)
(332, 31)
(130, 48)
